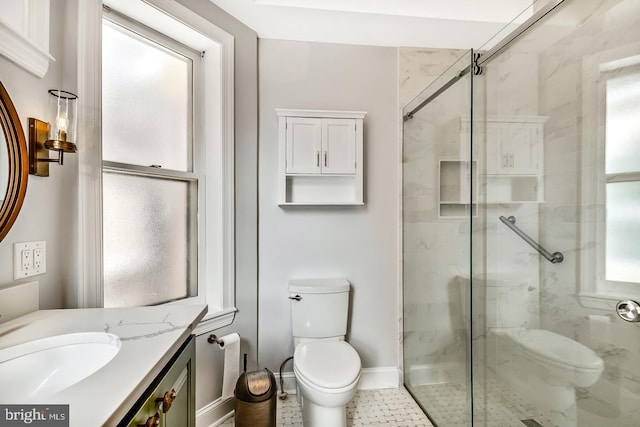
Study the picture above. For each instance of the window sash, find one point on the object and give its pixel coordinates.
(603, 285)
(195, 173)
(171, 46)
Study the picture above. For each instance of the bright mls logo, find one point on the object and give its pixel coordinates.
(34, 415)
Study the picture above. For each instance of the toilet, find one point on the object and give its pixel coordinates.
(539, 365)
(326, 367)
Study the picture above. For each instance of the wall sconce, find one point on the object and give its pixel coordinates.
(58, 134)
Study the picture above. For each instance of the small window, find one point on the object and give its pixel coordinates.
(622, 177)
(151, 176)
(609, 251)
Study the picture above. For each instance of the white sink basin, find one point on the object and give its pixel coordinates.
(49, 365)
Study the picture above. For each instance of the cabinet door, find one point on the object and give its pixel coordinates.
(180, 377)
(303, 145)
(339, 146)
(523, 141)
(496, 154)
(513, 148)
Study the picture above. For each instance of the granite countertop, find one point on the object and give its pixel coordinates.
(149, 337)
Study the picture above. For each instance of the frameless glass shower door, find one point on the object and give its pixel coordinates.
(521, 226)
(560, 196)
(438, 203)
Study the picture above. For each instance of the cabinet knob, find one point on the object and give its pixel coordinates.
(153, 421)
(167, 400)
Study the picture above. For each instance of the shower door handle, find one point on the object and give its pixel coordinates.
(628, 310)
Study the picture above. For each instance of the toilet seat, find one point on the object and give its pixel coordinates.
(329, 365)
(549, 347)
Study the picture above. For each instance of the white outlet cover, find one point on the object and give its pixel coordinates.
(36, 268)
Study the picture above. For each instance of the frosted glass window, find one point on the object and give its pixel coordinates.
(147, 246)
(623, 232)
(146, 101)
(623, 124)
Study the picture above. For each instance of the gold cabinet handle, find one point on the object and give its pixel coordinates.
(167, 400)
(153, 421)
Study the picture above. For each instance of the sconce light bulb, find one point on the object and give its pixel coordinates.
(62, 122)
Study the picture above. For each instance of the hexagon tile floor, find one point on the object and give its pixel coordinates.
(392, 407)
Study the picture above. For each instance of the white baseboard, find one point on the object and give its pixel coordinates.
(370, 379)
(377, 378)
(215, 413)
(436, 373)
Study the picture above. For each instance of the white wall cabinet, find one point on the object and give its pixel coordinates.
(325, 146)
(515, 159)
(510, 170)
(24, 34)
(321, 157)
(514, 148)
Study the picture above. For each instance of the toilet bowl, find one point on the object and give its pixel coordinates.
(566, 360)
(326, 367)
(539, 365)
(327, 374)
(545, 368)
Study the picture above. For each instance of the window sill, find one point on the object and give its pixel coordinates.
(602, 301)
(217, 320)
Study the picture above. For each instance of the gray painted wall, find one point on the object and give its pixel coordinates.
(356, 243)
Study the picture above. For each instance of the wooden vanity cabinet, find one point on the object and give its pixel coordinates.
(176, 380)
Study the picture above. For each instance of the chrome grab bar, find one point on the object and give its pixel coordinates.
(553, 258)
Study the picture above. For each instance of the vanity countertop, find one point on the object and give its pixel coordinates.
(149, 337)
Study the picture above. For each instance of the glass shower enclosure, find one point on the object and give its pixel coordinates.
(521, 226)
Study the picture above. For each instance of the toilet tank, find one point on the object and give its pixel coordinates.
(319, 308)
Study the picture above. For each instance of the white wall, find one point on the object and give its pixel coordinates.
(49, 209)
(356, 243)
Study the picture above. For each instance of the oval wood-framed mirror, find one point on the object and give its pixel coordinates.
(15, 171)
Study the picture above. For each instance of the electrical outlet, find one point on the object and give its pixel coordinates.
(38, 258)
(26, 257)
(29, 259)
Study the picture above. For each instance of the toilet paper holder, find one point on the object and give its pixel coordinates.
(213, 339)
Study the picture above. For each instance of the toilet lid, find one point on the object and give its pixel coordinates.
(327, 364)
(543, 344)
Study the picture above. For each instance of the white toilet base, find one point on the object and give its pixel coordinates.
(538, 386)
(319, 416)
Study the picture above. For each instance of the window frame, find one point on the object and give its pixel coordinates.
(194, 173)
(594, 290)
(217, 250)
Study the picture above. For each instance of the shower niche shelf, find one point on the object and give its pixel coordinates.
(457, 188)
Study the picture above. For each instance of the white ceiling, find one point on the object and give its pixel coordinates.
(418, 23)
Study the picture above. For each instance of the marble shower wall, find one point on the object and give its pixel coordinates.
(567, 86)
(435, 251)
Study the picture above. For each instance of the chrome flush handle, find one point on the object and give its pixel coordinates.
(297, 298)
(628, 310)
